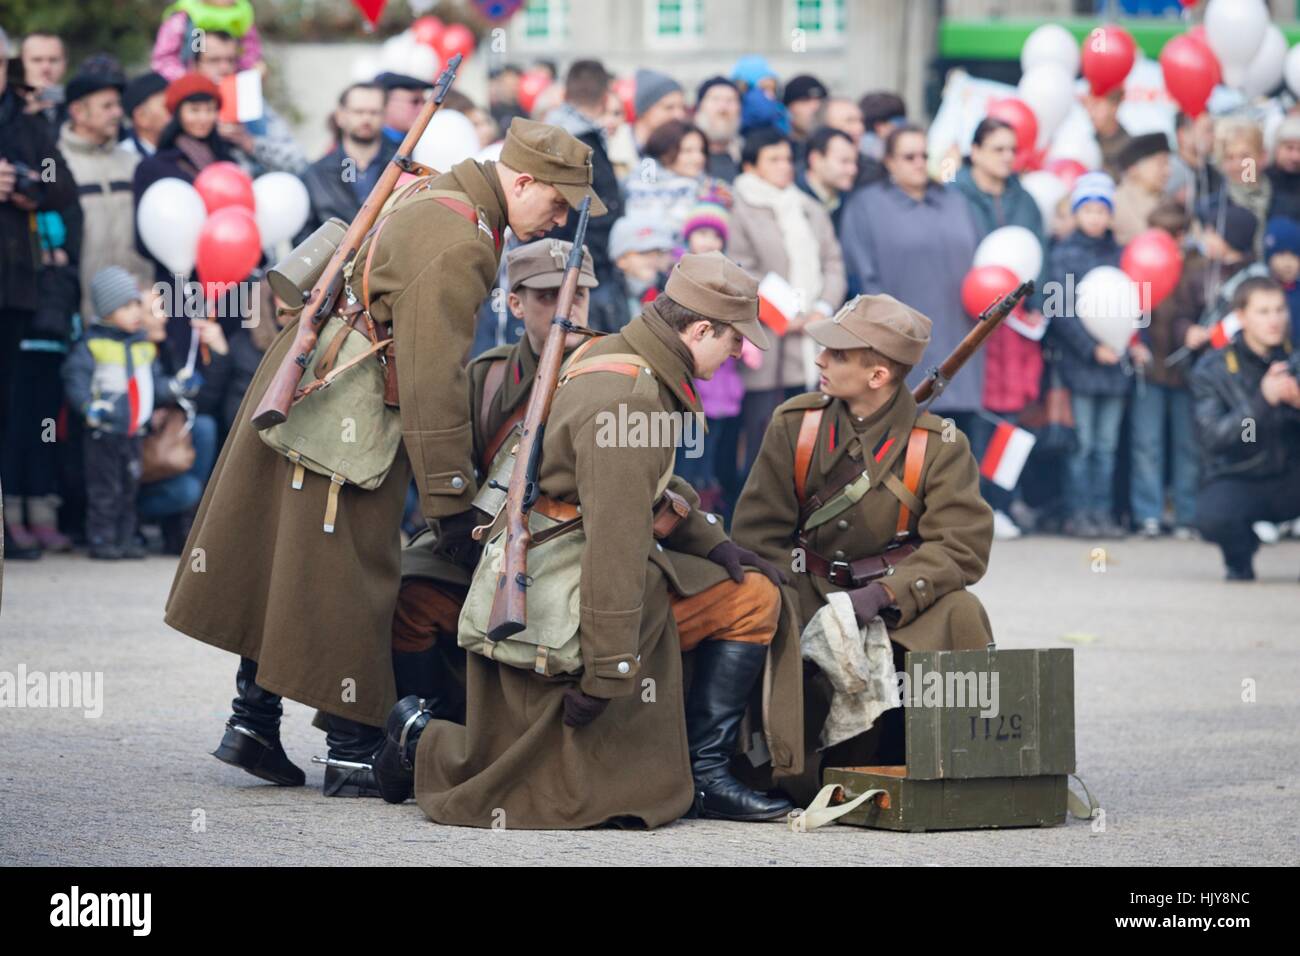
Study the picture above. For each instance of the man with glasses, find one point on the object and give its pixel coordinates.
(339, 182)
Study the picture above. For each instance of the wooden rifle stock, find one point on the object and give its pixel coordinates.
(510, 601)
(938, 378)
(279, 396)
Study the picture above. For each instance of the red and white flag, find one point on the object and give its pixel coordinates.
(241, 97)
(1006, 455)
(778, 303)
(1223, 331)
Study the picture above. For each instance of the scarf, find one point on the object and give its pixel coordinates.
(805, 268)
(666, 334)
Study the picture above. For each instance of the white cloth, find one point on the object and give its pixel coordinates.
(859, 663)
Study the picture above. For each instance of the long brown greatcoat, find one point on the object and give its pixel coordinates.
(515, 763)
(955, 526)
(260, 577)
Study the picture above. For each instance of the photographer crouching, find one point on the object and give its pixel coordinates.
(1247, 405)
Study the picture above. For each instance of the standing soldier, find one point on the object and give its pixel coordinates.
(426, 660)
(606, 741)
(861, 493)
(310, 613)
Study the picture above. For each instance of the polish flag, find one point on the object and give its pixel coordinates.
(778, 303)
(1223, 331)
(1006, 454)
(241, 97)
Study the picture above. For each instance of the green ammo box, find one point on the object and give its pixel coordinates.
(965, 770)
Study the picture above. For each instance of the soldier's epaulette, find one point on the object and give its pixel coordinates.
(492, 354)
(930, 422)
(805, 401)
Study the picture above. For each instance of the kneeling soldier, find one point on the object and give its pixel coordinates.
(607, 741)
(860, 493)
(427, 663)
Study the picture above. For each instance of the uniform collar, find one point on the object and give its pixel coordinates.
(666, 362)
(886, 435)
(521, 369)
(480, 182)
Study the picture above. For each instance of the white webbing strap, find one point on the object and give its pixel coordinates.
(820, 812)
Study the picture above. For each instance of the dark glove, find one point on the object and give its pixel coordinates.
(869, 601)
(454, 536)
(581, 709)
(731, 556)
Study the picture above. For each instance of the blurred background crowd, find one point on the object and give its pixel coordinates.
(1141, 165)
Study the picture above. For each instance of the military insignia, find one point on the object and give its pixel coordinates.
(558, 255)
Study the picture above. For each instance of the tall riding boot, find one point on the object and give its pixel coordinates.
(428, 676)
(252, 737)
(725, 674)
(352, 747)
(395, 763)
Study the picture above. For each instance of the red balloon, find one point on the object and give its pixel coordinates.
(1197, 33)
(229, 247)
(1154, 261)
(531, 85)
(1108, 54)
(428, 30)
(984, 285)
(225, 184)
(625, 88)
(1189, 70)
(1017, 114)
(1066, 170)
(456, 38)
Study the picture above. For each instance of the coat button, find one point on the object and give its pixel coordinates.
(624, 667)
(839, 555)
(659, 546)
(458, 482)
(711, 518)
(842, 525)
(920, 584)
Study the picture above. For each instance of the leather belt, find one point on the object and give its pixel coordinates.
(555, 509)
(854, 574)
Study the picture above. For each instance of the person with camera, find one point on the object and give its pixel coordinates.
(1247, 406)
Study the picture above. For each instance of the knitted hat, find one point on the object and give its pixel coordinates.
(710, 83)
(140, 89)
(751, 69)
(86, 83)
(1238, 224)
(112, 288)
(1093, 187)
(1283, 235)
(803, 87)
(707, 215)
(190, 85)
(651, 87)
(638, 233)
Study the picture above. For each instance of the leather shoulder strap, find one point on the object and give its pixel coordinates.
(912, 466)
(803, 450)
(492, 382)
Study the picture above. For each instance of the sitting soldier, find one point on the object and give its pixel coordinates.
(858, 491)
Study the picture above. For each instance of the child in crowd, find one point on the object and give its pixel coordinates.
(173, 49)
(1282, 249)
(642, 249)
(1097, 376)
(111, 378)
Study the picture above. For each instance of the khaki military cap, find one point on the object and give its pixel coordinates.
(880, 322)
(714, 286)
(540, 265)
(551, 155)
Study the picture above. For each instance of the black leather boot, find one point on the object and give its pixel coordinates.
(725, 673)
(350, 761)
(429, 676)
(395, 764)
(252, 737)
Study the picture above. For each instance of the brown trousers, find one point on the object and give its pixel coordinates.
(747, 612)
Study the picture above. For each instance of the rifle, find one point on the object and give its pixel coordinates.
(937, 379)
(320, 302)
(509, 603)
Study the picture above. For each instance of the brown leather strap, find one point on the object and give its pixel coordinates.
(326, 364)
(912, 466)
(804, 448)
(370, 257)
(502, 433)
(854, 574)
(492, 382)
(336, 372)
(622, 368)
(555, 509)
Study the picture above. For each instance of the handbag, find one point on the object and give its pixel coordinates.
(1051, 417)
(168, 449)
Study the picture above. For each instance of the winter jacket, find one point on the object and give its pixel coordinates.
(331, 195)
(116, 376)
(1072, 258)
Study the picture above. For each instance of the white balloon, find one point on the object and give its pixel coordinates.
(1047, 190)
(169, 218)
(365, 68)
(1235, 29)
(1014, 247)
(420, 62)
(1049, 91)
(449, 138)
(1051, 43)
(1081, 147)
(1265, 71)
(1291, 69)
(281, 206)
(1108, 304)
